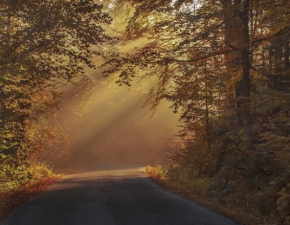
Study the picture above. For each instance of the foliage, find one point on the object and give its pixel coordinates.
(224, 66)
(45, 45)
(157, 171)
(13, 176)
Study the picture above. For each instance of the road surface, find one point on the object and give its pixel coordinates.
(112, 195)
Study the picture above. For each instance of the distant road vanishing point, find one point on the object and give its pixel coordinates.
(112, 194)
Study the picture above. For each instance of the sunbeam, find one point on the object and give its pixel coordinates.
(113, 126)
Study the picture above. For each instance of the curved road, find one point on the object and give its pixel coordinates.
(112, 195)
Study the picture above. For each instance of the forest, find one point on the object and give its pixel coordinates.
(222, 64)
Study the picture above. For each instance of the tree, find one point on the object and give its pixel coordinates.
(181, 30)
(224, 64)
(44, 45)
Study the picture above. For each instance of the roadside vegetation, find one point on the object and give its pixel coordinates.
(225, 67)
(45, 46)
(23, 184)
(258, 200)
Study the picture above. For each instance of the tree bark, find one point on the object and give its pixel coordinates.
(286, 55)
(244, 89)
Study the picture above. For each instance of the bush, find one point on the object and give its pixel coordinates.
(14, 175)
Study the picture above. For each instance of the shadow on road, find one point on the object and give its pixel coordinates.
(112, 195)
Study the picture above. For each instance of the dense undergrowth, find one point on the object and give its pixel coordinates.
(256, 191)
(213, 165)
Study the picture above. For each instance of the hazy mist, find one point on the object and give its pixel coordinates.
(112, 125)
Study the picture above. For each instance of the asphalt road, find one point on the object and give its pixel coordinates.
(112, 195)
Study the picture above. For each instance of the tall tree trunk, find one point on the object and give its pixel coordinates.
(207, 128)
(244, 89)
(230, 34)
(287, 54)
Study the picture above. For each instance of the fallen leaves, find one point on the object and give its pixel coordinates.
(9, 201)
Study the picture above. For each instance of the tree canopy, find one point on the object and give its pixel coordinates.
(44, 45)
(224, 65)
(208, 53)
